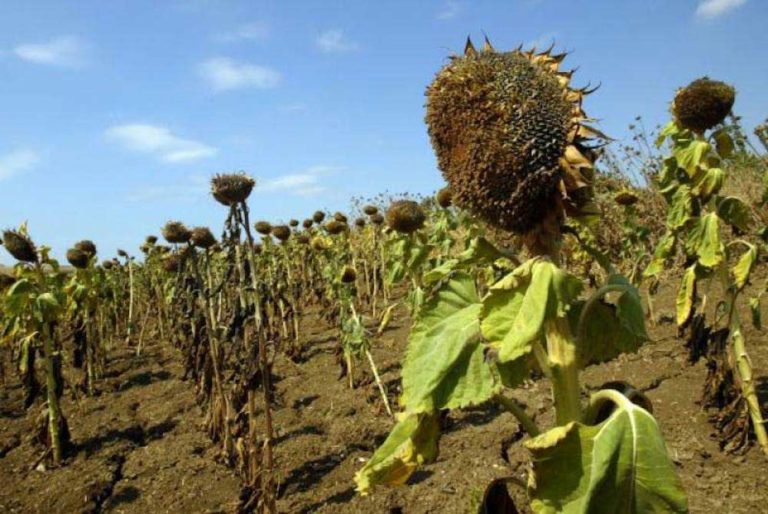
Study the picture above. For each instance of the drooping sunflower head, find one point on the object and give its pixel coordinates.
(335, 227)
(203, 238)
(360, 222)
(20, 246)
(318, 216)
(107, 264)
(122, 253)
(340, 217)
(172, 262)
(294, 223)
(703, 103)
(150, 240)
(370, 210)
(626, 198)
(405, 216)
(307, 223)
(6, 281)
(444, 197)
(377, 219)
(281, 232)
(176, 232)
(263, 227)
(77, 258)
(349, 275)
(87, 246)
(508, 132)
(231, 188)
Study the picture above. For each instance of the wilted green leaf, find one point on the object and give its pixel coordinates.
(609, 329)
(412, 443)
(704, 241)
(680, 207)
(735, 212)
(691, 156)
(743, 267)
(444, 364)
(47, 306)
(664, 248)
(686, 295)
(514, 312)
(723, 143)
(619, 466)
(670, 129)
(709, 184)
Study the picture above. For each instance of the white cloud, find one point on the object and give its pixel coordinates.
(159, 142)
(334, 41)
(305, 183)
(17, 161)
(248, 32)
(450, 10)
(714, 8)
(64, 51)
(224, 74)
(197, 187)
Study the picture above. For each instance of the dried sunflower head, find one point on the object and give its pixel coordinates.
(377, 219)
(349, 275)
(335, 227)
(107, 264)
(294, 223)
(172, 262)
(360, 222)
(281, 232)
(263, 227)
(307, 223)
(6, 281)
(318, 216)
(20, 246)
(176, 232)
(202, 237)
(338, 216)
(150, 240)
(370, 210)
(231, 188)
(77, 258)
(626, 198)
(122, 253)
(86, 246)
(303, 239)
(703, 103)
(507, 131)
(405, 216)
(444, 197)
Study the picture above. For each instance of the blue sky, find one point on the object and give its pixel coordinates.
(114, 114)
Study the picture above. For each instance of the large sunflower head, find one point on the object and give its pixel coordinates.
(703, 103)
(20, 246)
(176, 232)
(86, 246)
(202, 237)
(507, 128)
(405, 216)
(231, 188)
(77, 258)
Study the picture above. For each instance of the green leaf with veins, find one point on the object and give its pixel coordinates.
(619, 466)
(710, 183)
(691, 156)
(445, 365)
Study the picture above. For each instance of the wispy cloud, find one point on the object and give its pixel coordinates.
(450, 10)
(255, 31)
(16, 162)
(224, 74)
(709, 9)
(64, 52)
(159, 142)
(334, 41)
(304, 183)
(196, 187)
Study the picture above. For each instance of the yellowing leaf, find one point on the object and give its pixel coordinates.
(691, 156)
(680, 207)
(743, 267)
(704, 241)
(735, 212)
(619, 466)
(412, 443)
(664, 248)
(686, 295)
